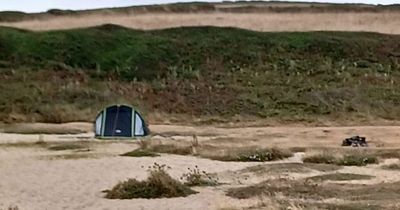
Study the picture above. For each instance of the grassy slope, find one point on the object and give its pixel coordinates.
(68, 75)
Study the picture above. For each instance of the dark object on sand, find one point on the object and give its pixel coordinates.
(355, 141)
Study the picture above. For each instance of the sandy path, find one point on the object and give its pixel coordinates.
(32, 182)
(294, 136)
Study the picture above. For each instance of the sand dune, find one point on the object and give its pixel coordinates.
(382, 22)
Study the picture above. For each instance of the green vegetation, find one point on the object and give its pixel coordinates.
(245, 154)
(357, 159)
(141, 153)
(340, 177)
(320, 159)
(260, 155)
(63, 76)
(159, 184)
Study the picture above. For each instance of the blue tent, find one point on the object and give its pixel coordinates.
(120, 121)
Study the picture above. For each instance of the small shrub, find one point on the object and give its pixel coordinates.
(357, 160)
(263, 155)
(66, 147)
(159, 184)
(196, 177)
(320, 159)
(347, 160)
(140, 153)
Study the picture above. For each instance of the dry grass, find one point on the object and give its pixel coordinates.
(141, 153)
(43, 128)
(394, 166)
(288, 168)
(68, 147)
(340, 177)
(382, 22)
(73, 156)
(307, 192)
(322, 158)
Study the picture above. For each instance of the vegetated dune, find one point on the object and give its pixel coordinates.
(260, 16)
(65, 76)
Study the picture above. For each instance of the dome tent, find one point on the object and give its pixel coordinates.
(120, 121)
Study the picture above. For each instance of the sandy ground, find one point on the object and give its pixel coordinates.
(32, 177)
(382, 22)
(280, 136)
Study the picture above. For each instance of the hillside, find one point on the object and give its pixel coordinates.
(206, 72)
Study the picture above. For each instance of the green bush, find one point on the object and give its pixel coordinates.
(357, 160)
(320, 159)
(263, 155)
(346, 160)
